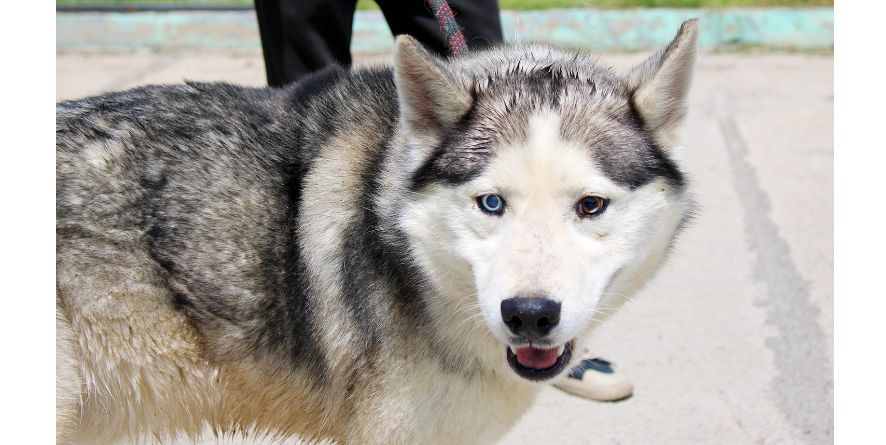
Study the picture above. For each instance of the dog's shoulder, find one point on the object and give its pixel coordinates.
(172, 111)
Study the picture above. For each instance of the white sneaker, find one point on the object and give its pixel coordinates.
(596, 379)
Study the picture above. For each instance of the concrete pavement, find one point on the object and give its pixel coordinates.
(733, 342)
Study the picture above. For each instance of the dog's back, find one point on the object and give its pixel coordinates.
(130, 357)
(160, 191)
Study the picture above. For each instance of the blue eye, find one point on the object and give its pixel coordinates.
(491, 203)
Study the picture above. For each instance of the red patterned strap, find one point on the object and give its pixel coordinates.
(455, 40)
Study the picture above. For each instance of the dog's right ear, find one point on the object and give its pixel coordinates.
(659, 85)
(431, 102)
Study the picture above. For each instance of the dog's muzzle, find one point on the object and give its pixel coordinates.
(531, 320)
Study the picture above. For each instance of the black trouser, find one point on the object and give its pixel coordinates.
(302, 36)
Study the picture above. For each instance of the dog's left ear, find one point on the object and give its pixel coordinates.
(660, 84)
(431, 102)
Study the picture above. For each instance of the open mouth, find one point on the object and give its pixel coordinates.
(538, 364)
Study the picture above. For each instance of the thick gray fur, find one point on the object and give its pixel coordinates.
(198, 189)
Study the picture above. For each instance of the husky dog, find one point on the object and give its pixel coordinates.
(379, 256)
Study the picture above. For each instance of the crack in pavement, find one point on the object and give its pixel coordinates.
(803, 386)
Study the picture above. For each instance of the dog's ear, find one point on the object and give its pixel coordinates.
(430, 99)
(660, 84)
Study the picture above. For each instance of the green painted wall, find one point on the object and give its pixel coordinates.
(598, 30)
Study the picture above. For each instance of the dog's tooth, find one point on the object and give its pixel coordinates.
(560, 350)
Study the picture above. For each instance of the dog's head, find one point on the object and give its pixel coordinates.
(544, 189)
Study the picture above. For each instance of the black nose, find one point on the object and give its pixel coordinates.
(530, 317)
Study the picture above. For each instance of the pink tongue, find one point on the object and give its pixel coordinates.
(535, 358)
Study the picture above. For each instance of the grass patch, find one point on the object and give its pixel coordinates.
(513, 4)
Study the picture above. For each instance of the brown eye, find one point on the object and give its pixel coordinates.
(590, 206)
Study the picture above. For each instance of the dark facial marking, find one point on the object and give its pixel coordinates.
(603, 121)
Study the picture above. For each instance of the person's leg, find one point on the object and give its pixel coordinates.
(479, 20)
(301, 36)
(271, 31)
